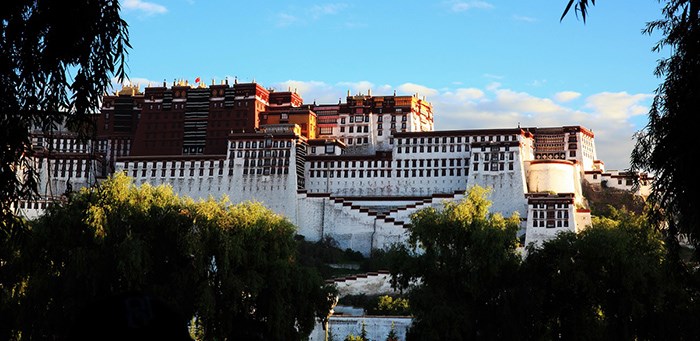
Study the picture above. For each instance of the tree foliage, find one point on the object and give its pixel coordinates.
(231, 269)
(580, 6)
(662, 146)
(388, 306)
(611, 281)
(56, 60)
(465, 263)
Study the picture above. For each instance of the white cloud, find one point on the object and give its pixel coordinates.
(538, 82)
(617, 106)
(310, 91)
(492, 76)
(357, 87)
(524, 102)
(285, 19)
(523, 18)
(318, 11)
(461, 6)
(139, 81)
(566, 96)
(464, 94)
(307, 15)
(411, 88)
(148, 8)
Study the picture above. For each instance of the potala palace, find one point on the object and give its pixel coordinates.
(354, 171)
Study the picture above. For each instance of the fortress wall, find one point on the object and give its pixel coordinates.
(508, 186)
(377, 327)
(406, 185)
(556, 176)
(507, 192)
(539, 234)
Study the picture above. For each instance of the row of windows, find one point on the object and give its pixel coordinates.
(268, 143)
(493, 166)
(550, 224)
(494, 156)
(70, 168)
(385, 163)
(388, 173)
(63, 145)
(328, 149)
(174, 164)
(455, 139)
(261, 153)
(35, 205)
(351, 129)
(550, 206)
(431, 149)
(551, 214)
(358, 140)
(265, 171)
(179, 171)
(265, 162)
(365, 118)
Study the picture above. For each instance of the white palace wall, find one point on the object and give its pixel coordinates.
(364, 202)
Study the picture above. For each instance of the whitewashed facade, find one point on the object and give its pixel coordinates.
(362, 197)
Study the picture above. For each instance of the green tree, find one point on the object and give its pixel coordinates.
(662, 146)
(460, 266)
(231, 269)
(53, 68)
(57, 58)
(610, 282)
(392, 336)
(388, 305)
(361, 337)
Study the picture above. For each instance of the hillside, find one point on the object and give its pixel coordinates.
(600, 198)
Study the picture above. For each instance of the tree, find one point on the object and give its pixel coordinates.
(56, 60)
(54, 68)
(662, 146)
(388, 306)
(465, 264)
(392, 336)
(611, 281)
(230, 269)
(361, 337)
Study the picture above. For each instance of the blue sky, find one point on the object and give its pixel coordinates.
(482, 63)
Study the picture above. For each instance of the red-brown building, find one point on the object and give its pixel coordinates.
(179, 120)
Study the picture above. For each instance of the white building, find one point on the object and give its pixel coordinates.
(370, 170)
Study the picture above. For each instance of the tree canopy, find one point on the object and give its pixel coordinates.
(662, 146)
(230, 270)
(465, 263)
(57, 58)
(466, 280)
(612, 281)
